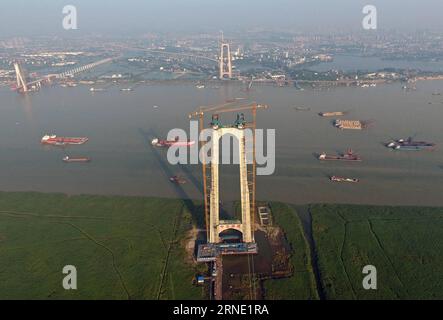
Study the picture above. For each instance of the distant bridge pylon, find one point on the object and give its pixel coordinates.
(225, 63)
(21, 77)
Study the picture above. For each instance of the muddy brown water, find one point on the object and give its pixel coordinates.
(120, 126)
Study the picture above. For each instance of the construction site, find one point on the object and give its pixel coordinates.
(242, 250)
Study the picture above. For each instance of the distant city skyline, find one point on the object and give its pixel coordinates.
(129, 17)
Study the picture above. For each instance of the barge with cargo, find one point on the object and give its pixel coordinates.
(351, 124)
(343, 179)
(172, 143)
(348, 156)
(332, 113)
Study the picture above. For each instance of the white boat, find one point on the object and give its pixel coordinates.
(96, 89)
(342, 179)
(76, 159)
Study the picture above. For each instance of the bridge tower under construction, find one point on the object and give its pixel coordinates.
(217, 226)
(244, 133)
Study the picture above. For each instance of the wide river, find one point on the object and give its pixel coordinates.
(120, 126)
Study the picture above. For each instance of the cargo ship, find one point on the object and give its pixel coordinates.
(348, 156)
(302, 108)
(351, 124)
(171, 143)
(177, 180)
(96, 89)
(63, 141)
(68, 159)
(342, 179)
(410, 145)
(332, 114)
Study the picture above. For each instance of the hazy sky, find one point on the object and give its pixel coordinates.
(28, 17)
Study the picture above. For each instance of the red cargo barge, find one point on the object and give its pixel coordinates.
(63, 141)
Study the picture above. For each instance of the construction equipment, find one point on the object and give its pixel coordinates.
(215, 123)
(240, 121)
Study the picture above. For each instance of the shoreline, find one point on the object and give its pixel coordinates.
(295, 204)
(258, 82)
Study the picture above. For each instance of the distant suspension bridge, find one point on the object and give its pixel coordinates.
(23, 85)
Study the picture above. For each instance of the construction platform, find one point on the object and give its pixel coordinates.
(210, 251)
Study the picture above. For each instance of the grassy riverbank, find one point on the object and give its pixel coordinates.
(134, 248)
(405, 244)
(122, 247)
(302, 284)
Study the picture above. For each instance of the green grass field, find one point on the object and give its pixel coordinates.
(133, 248)
(404, 244)
(119, 246)
(301, 286)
